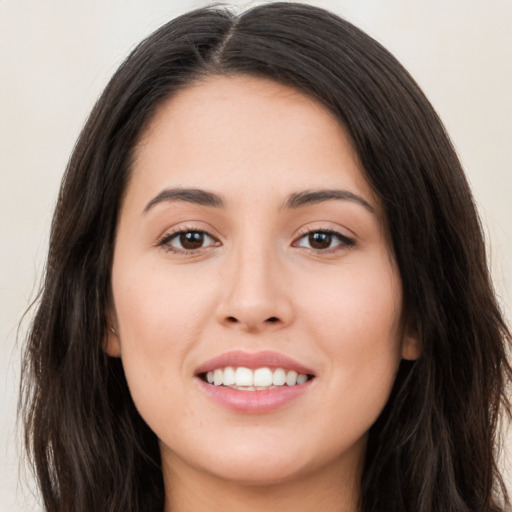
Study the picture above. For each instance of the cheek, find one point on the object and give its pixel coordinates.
(160, 317)
(361, 304)
(159, 307)
(151, 297)
(356, 319)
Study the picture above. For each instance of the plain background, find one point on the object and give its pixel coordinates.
(56, 57)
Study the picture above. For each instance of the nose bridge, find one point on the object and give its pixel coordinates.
(253, 269)
(255, 297)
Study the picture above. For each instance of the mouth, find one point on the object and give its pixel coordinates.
(254, 383)
(258, 379)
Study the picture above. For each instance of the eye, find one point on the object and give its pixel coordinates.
(324, 240)
(187, 240)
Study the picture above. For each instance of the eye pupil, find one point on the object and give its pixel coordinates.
(192, 239)
(319, 240)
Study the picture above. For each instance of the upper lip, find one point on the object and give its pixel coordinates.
(253, 360)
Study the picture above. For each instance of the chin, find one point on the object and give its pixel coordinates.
(264, 463)
(241, 462)
(258, 471)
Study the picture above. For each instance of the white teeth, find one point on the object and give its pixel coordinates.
(229, 376)
(243, 377)
(279, 377)
(218, 376)
(263, 377)
(291, 378)
(301, 378)
(254, 380)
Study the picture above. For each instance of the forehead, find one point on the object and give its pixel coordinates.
(224, 132)
(241, 94)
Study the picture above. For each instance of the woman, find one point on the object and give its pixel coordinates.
(266, 287)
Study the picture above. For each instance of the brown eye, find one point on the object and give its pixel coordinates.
(183, 241)
(319, 240)
(191, 240)
(324, 240)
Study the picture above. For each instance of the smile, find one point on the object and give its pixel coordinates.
(254, 383)
(260, 379)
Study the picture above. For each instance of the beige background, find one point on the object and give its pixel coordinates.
(56, 56)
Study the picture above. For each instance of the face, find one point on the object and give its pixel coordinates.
(251, 252)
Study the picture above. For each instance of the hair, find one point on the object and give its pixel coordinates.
(434, 447)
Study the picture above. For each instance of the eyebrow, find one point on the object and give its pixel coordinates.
(309, 197)
(189, 195)
(295, 200)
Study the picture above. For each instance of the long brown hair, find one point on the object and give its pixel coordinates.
(434, 445)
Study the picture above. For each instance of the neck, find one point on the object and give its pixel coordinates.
(334, 488)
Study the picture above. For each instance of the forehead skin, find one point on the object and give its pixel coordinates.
(191, 110)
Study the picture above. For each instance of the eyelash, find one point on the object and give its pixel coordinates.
(165, 241)
(345, 241)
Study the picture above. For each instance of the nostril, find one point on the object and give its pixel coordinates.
(249, 323)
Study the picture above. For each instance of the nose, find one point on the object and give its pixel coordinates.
(255, 297)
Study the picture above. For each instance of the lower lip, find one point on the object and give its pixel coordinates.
(254, 402)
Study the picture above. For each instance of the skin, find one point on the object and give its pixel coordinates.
(337, 310)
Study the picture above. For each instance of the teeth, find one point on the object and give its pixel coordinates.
(279, 377)
(291, 378)
(263, 377)
(218, 376)
(243, 377)
(301, 378)
(229, 376)
(254, 380)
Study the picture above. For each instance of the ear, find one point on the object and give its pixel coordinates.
(411, 343)
(111, 344)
